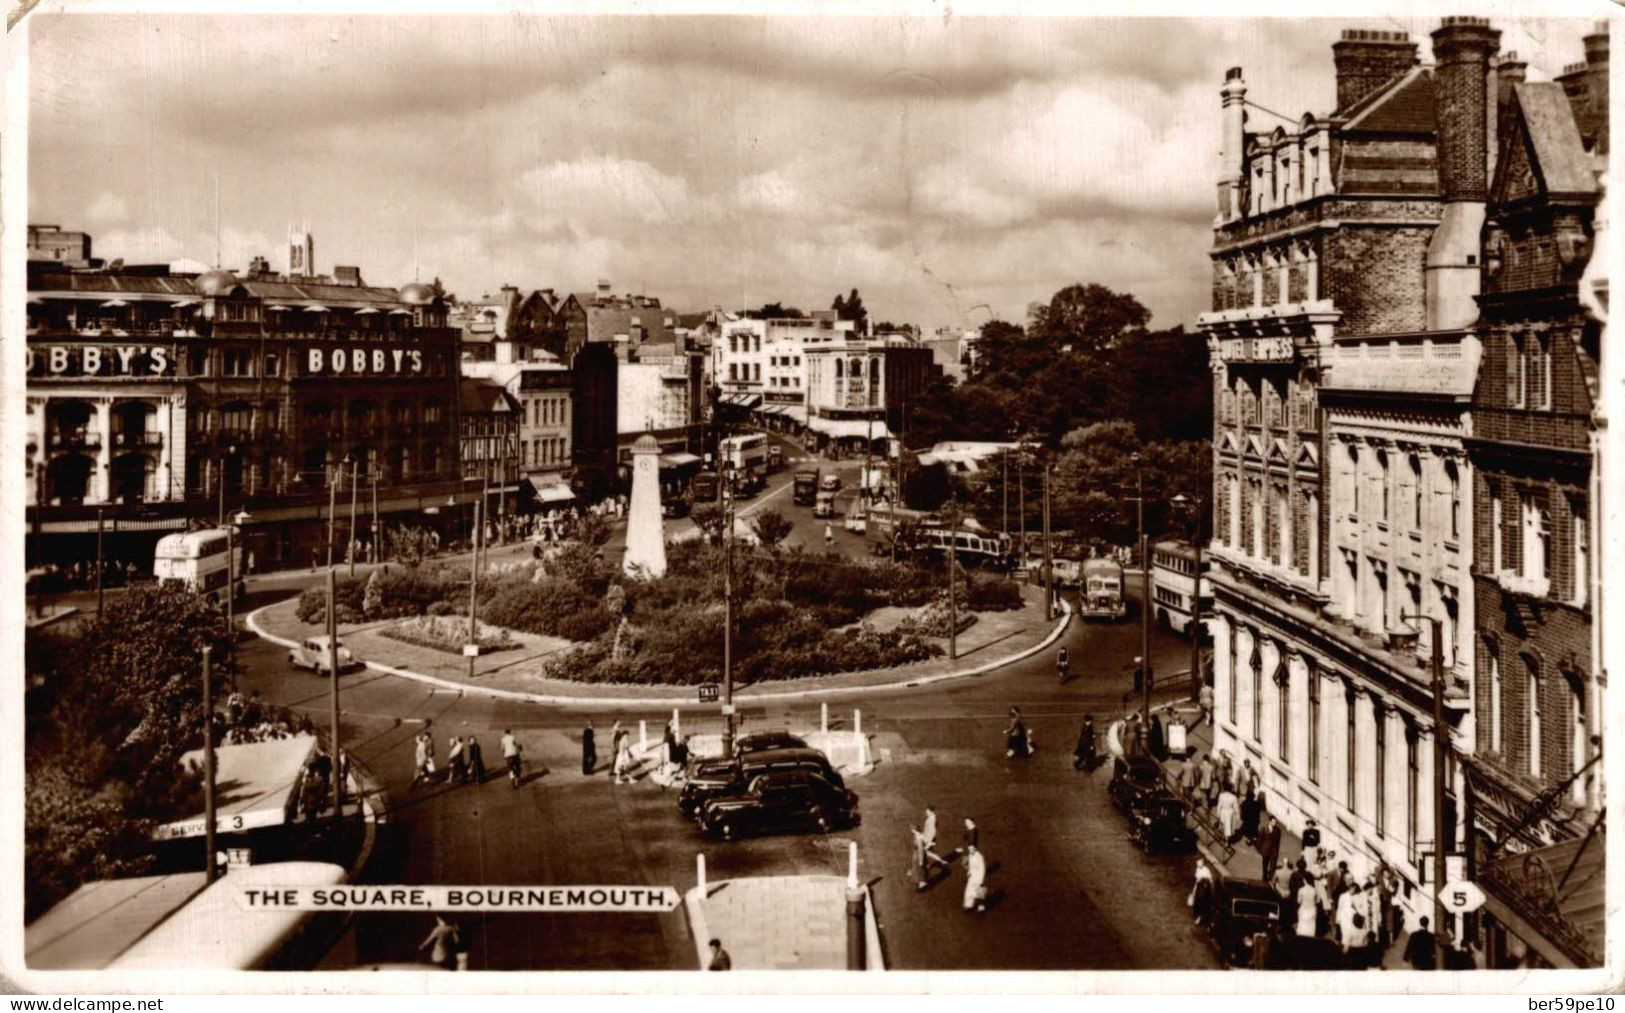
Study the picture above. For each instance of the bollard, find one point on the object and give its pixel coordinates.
(823, 717)
(854, 929)
(676, 724)
(699, 872)
(643, 735)
(851, 865)
(857, 723)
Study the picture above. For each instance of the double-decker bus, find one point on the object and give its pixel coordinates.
(746, 452)
(806, 487)
(1100, 590)
(197, 560)
(1173, 582)
(703, 487)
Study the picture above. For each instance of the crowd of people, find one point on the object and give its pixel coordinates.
(465, 759)
(925, 862)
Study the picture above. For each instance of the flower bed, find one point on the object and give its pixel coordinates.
(449, 634)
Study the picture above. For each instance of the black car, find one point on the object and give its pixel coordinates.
(1242, 907)
(1157, 823)
(783, 800)
(708, 778)
(762, 741)
(1133, 779)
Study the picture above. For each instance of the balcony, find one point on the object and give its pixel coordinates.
(1513, 582)
(402, 431)
(74, 439)
(136, 441)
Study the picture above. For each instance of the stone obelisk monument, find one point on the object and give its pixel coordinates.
(645, 532)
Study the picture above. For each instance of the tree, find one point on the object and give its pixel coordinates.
(771, 529)
(408, 546)
(851, 308)
(708, 517)
(926, 487)
(1163, 384)
(111, 712)
(593, 529)
(775, 311)
(1090, 318)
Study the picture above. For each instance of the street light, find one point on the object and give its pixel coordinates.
(355, 475)
(210, 871)
(1183, 502)
(1145, 584)
(727, 493)
(100, 559)
(237, 518)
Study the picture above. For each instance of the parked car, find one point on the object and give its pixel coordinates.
(1134, 778)
(675, 507)
(758, 742)
(709, 778)
(829, 483)
(783, 800)
(1158, 822)
(824, 507)
(312, 653)
(1242, 907)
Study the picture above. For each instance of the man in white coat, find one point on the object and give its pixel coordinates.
(975, 880)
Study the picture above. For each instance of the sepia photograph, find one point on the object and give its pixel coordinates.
(539, 489)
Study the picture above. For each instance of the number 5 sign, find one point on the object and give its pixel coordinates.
(1460, 898)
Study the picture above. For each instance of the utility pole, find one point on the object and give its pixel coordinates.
(1441, 746)
(355, 481)
(474, 585)
(210, 867)
(1145, 586)
(377, 531)
(333, 677)
(953, 606)
(1196, 605)
(1049, 560)
(332, 507)
(1021, 500)
(727, 613)
(231, 584)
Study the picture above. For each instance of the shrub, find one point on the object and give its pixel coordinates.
(448, 633)
(547, 606)
(348, 590)
(933, 620)
(993, 595)
(441, 608)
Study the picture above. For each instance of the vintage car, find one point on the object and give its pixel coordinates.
(709, 778)
(1242, 907)
(312, 653)
(1158, 823)
(757, 742)
(780, 801)
(1133, 778)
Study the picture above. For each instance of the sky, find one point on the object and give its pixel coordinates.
(952, 168)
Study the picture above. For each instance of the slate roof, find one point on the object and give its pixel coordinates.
(482, 397)
(1403, 106)
(1562, 160)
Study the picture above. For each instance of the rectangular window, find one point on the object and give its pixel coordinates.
(1538, 371)
(1534, 723)
(1412, 787)
(1258, 695)
(1380, 725)
(1314, 726)
(1495, 702)
(1283, 711)
(1582, 553)
(1514, 357)
(1352, 767)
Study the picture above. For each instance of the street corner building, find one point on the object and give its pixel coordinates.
(1405, 333)
(169, 396)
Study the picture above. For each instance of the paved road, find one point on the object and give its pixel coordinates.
(1070, 892)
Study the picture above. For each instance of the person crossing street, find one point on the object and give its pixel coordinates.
(510, 755)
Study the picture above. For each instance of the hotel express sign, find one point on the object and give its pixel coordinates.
(1274, 349)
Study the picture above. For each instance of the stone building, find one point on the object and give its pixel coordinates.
(1346, 262)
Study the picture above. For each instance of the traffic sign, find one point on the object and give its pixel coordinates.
(709, 692)
(1460, 898)
(471, 650)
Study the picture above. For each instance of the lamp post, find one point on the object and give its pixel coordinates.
(100, 558)
(1145, 584)
(953, 606)
(1184, 502)
(473, 592)
(355, 481)
(231, 572)
(1049, 558)
(377, 532)
(727, 493)
(1441, 749)
(210, 870)
(332, 503)
(333, 684)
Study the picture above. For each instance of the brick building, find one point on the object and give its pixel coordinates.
(1345, 268)
(1535, 460)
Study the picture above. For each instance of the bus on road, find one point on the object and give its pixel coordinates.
(197, 560)
(806, 488)
(1101, 593)
(1173, 577)
(746, 452)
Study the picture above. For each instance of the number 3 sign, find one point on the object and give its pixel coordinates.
(1460, 898)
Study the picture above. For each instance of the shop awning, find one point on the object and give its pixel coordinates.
(100, 920)
(678, 459)
(254, 785)
(849, 428)
(742, 400)
(1553, 898)
(551, 490)
(88, 525)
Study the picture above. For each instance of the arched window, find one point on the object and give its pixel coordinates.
(1495, 698)
(1351, 771)
(1314, 721)
(1382, 478)
(1258, 692)
(1283, 708)
(1452, 475)
(1354, 470)
(1416, 492)
(1578, 742)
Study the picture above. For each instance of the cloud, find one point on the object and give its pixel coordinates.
(107, 208)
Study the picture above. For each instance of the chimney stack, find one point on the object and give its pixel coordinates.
(1509, 73)
(1462, 48)
(1366, 60)
(1232, 144)
(1586, 85)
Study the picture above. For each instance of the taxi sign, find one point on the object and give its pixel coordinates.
(1460, 898)
(709, 692)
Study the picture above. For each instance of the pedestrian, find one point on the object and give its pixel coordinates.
(456, 763)
(720, 961)
(1015, 735)
(1249, 816)
(476, 759)
(1246, 778)
(1269, 845)
(1308, 901)
(829, 537)
(975, 880)
(668, 754)
(623, 757)
(973, 836)
(928, 834)
(589, 750)
(1229, 813)
(510, 755)
(1154, 740)
(1374, 947)
(441, 942)
(1207, 780)
(1421, 949)
(423, 759)
(1352, 923)
(1388, 887)
(1200, 900)
(1311, 835)
(1083, 756)
(1204, 699)
(917, 862)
